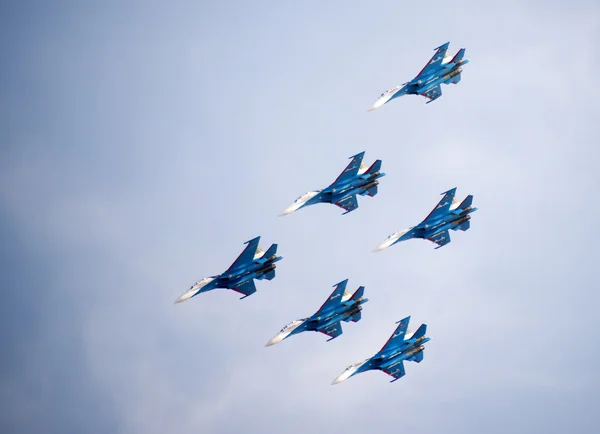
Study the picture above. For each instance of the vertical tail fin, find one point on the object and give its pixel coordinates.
(375, 167)
(458, 56)
(271, 251)
(358, 294)
(467, 202)
(420, 332)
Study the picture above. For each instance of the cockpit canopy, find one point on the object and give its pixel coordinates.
(292, 325)
(201, 282)
(306, 196)
(354, 365)
(393, 89)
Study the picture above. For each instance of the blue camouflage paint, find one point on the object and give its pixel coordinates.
(342, 192)
(390, 358)
(436, 225)
(241, 274)
(427, 82)
(327, 319)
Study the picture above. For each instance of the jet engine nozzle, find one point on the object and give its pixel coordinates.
(452, 74)
(462, 220)
(370, 185)
(269, 268)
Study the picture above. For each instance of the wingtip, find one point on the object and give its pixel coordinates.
(403, 319)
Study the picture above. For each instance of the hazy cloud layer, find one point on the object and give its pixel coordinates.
(142, 144)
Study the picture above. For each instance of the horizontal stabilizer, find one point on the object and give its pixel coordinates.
(420, 332)
(419, 357)
(465, 226)
(356, 317)
(456, 79)
(372, 191)
(358, 294)
(270, 275)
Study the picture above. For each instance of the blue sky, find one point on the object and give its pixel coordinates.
(142, 143)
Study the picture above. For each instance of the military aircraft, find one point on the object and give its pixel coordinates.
(440, 69)
(340, 306)
(253, 263)
(355, 179)
(448, 214)
(390, 358)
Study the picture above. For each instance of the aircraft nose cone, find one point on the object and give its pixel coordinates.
(273, 341)
(290, 209)
(382, 246)
(338, 380)
(189, 294)
(379, 248)
(376, 105)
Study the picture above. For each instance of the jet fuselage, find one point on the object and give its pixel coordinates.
(441, 69)
(255, 270)
(449, 221)
(339, 191)
(356, 179)
(344, 312)
(338, 307)
(421, 85)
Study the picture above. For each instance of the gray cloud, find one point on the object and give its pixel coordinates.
(141, 146)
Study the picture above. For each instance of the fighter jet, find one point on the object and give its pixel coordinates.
(390, 358)
(448, 214)
(340, 306)
(253, 263)
(355, 179)
(440, 69)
